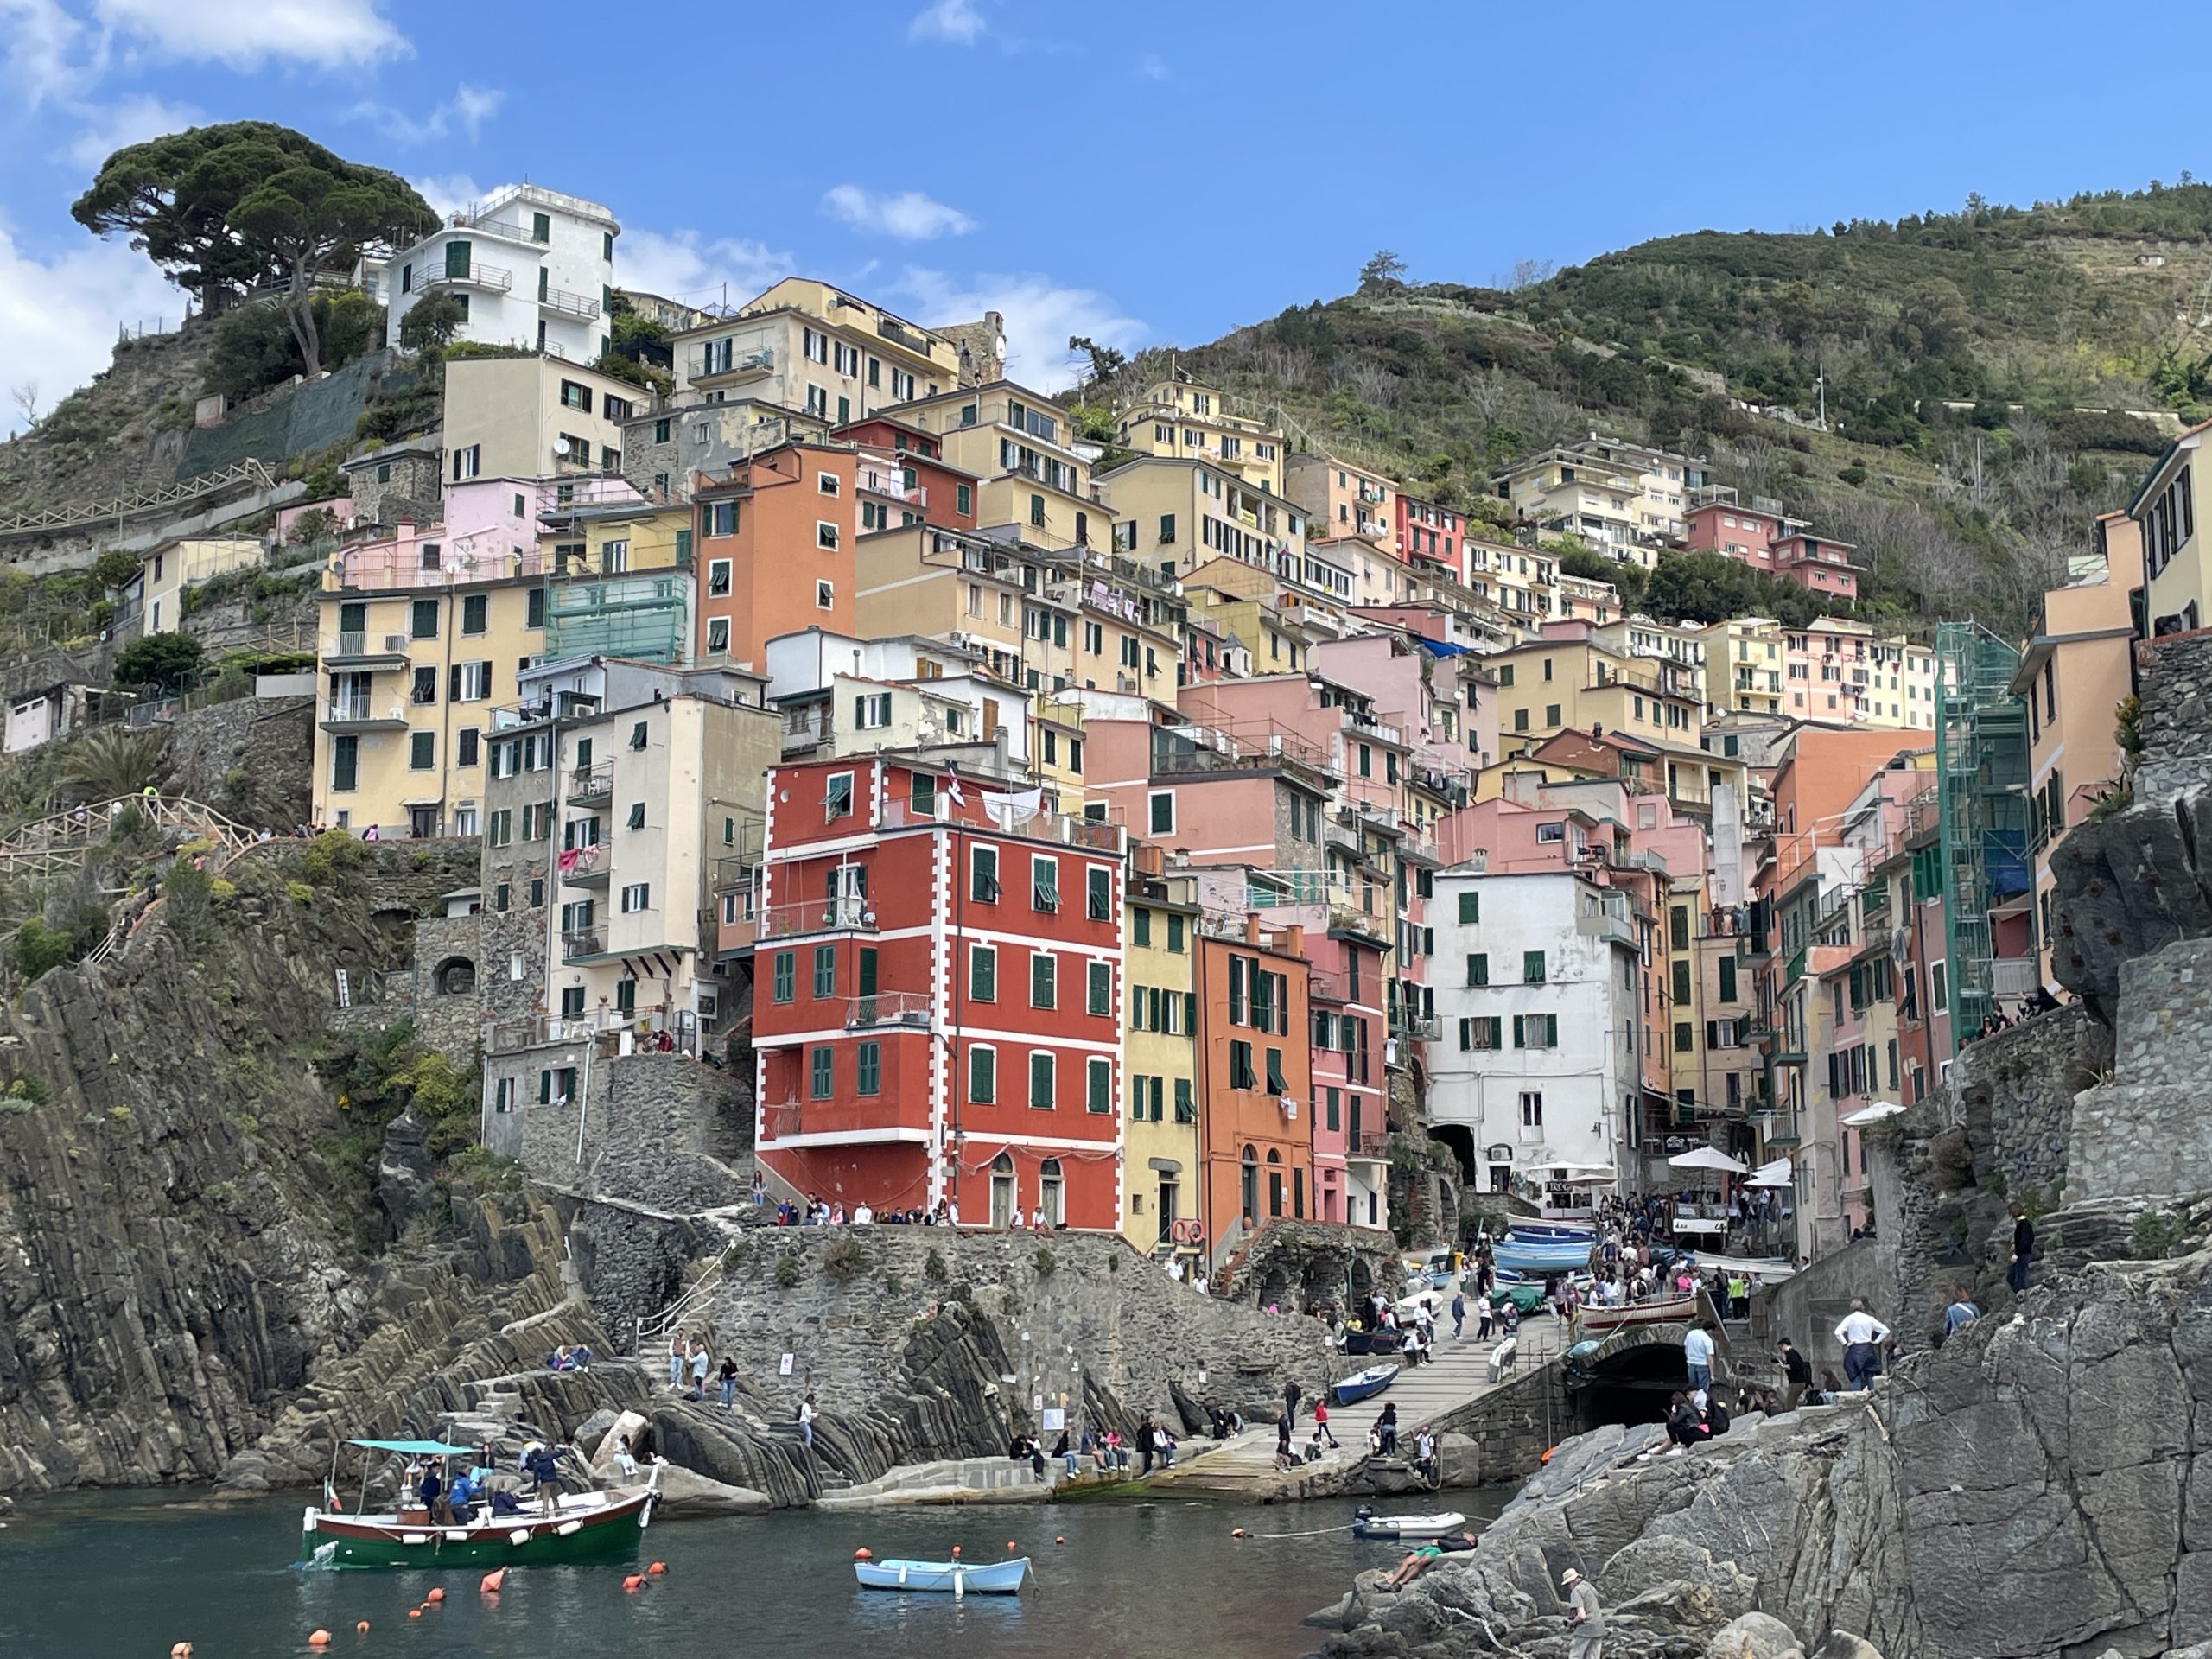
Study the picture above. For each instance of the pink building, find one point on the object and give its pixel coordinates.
(1816, 563)
(1747, 534)
(1430, 535)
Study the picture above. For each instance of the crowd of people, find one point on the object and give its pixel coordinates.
(455, 1498)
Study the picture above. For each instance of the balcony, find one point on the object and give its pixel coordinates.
(1369, 1146)
(1429, 1030)
(589, 785)
(1322, 986)
(575, 947)
(895, 485)
(588, 869)
(711, 369)
(1606, 923)
(899, 334)
(488, 279)
(562, 303)
(735, 870)
(355, 648)
(914, 1010)
(846, 914)
(360, 715)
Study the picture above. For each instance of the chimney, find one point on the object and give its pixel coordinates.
(1292, 942)
(1252, 929)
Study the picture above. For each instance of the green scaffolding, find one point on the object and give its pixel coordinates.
(645, 618)
(1981, 778)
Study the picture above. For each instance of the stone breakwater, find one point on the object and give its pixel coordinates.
(2030, 1490)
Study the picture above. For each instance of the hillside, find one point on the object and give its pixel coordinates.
(1955, 355)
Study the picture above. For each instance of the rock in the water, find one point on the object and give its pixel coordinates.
(1753, 1636)
(686, 1496)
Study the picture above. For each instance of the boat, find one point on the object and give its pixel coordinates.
(956, 1578)
(1581, 1232)
(1540, 1255)
(1603, 1321)
(1368, 1524)
(587, 1527)
(1364, 1384)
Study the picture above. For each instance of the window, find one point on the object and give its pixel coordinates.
(1535, 1031)
(1532, 967)
(826, 483)
(422, 751)
(1186, 1107)
(983, 876)
(1175, 934)
(1098, 997)
(982, 974)
(1727, 979)
(1275, 1084)
(498, 828)
(1241, 1075)
(822, 1072)
(541, 227)
(837, 796)
(467, 463)
(344, 763)
(825, 596)
(1037, 510)
(1043, 976)
(638, 896)
(471, 681)
(1160, 808)
(1551, 834)
(1040, 1081)
(785, 975)
(422, 619)
(718, 578)
(1479, 968)
(872, 712)
(1044, 884)
(1098, 1085)
(1098, 893)
(1480, 1032)
(1139, 925)
(1939, 986)
(1532, 1111)
(964, 500)
(983, 1076)
(575, 395)
(867, 1069)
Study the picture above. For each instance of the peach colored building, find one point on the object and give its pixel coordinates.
(775, 542)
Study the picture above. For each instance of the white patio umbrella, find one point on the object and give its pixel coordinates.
(1874, 1114)
(1707, 1158)
(1777, 1173)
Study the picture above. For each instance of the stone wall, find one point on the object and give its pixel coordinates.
(252, 759)
(1513, 1426)
(2143, 1134)
(2177, 724)
(440, 989)
(658, 1129)
(1807, 1307)
(1296, 1265)
(634, 1262)
(2014, 1093)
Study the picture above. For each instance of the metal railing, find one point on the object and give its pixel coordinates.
(916, 1009)
(845, 913)
(495, 278)
(359, 710)
(1368, 1143)
(898, 334)
(591, 782)
(574, 945)
(567, 304)
(357, 642)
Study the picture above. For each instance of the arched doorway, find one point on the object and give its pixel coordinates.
(1274, 1182)
(1248, 1186)
(1048, 1193)
(456, 976)
(1004, 1205)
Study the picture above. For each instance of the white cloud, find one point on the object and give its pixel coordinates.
(42, 39)
(328, 34)
(452, 193)
(684, 265)
(910, 216)
(955, 22)
(1152, 67)
(58, 317)
(1039, 315)
(465, 111)
(130, 121)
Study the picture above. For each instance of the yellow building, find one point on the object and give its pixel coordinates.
(1343, 500)
(1161, 1168)
(943, 584)
(1187, 421)
(533, 416)
(414, 653)
(1019, 445)
(1173, 515)
(1745, 666)
(2176, 579)
(806, 346)
(1523, 583)
(1242, 602)
(1056, 751)
(184, 562)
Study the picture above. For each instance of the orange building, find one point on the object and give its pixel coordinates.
(1256, 1082)
(775, 541)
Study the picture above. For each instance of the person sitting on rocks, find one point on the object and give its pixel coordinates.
(626, 1460)
(1417, 1563)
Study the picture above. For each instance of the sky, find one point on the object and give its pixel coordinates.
(1143, 172)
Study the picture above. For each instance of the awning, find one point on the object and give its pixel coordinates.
(417, 1448)
(1777, 1173)
(1874, 1114)
(1707, 1158)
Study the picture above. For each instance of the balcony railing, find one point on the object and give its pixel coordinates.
(910, 1008)
(845, 913)
(360, 711)
(493, 279)
(735, 870)
(735, 367)
(895, 485)
(355, 642)
(593, 783)
(898, 334)
(567, 304)
(1371, 1144)
(574, 945)
(1429, 1030)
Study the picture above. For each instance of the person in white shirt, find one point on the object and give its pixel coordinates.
(806, 1422)
(862, 1215)
(1861, 1335)
(1697, 1352)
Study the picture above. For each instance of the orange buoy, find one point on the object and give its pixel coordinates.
(434, 1598)
(1009, 1546)
(492, 1582)
(863, 1553)
(635, 1581)
(361, 1629)
(1059, 1541)
(179, 1650)
(318, 1638)
(956, 1551)
(1237, 1531)
(656, 1569)
(414, 1612)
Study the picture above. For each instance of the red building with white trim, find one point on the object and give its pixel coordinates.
(937, 996)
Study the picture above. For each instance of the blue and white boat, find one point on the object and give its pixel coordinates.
(951, 1577)
(1363, 1384)
(1540, 1255)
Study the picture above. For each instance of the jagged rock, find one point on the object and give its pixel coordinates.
(1650, 1564)
(1842, 1646)
(406, 1172)
(686, 1496)
(1753, 1636)
(592, 1433)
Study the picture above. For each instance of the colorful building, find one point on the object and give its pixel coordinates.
(1184, 421)
(1164, 1165)
(1255, 1078)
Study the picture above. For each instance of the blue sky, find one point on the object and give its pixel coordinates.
(1141, 171)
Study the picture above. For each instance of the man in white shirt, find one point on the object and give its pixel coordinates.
(1697, 1351)
(1861, 1335)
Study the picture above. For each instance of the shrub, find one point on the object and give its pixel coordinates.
(844, 1257)
(1046, 1262)
(39, 949)
(330, 853)
(933, 1267)
(119, 1113)
(2153, 1236)
(219, 889)
(893, 1284)
(787, 1273)
(163, 659)
(299, 893)
(1853, 476)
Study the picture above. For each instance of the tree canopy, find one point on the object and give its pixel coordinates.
(222, 207)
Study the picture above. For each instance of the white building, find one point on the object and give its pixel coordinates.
(1537, 994)
(530, 267)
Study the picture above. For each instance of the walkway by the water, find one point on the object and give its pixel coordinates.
(1245, 1467)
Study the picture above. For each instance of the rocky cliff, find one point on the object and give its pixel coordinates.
(192, 1249)
(2028, 1491)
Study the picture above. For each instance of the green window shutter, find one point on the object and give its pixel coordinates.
(1471, 905)
(1189, 1013)
(1101, 1089)
(1518, 1031)
(870, 1065)
(983, 1076)
(1532, 967)
(1186, 1109)
(1682, 986)
(1551, 1031)
(1494, 1031)
(1727, 979)
(1466, 1035)
(1479, 968)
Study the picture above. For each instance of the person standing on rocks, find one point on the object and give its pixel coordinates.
(1697, 1352)
(1961, 1311)
(1321, 1420)
(1586, 1619)
(1862, 1336)
(678, 1355)
(2024, 1247)
(806, 1421)
(1797, 1374)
